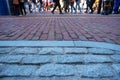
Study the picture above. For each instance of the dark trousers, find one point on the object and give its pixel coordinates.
(57, 4)
(99, 7)
(22, 8)
(91, 4)
(105, 8)
(16, 9)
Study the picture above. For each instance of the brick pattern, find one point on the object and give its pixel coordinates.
(61, 27)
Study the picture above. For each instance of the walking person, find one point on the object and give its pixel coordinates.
(57, 3)
(78, 4)
(22, 7)
(91, 5)
(72, 6)
(66, 6)
(116, 7)
(16, 7)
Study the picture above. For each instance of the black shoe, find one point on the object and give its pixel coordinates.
(61, 13)
(52, 12)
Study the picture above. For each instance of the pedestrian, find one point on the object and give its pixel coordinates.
(78, 5)
(22, 7)
(116, 7)
(72, 6)
(106, 5)
(91, 5)
(99, 7)
(66, 6)
(39, 4)
(57, 3)
(16, 7)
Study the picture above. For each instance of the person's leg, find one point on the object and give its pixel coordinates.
(54, 8)
(99, 7)
(59, 8)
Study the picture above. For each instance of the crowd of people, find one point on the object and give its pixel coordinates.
(105, 7)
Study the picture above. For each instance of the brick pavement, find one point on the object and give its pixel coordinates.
(85, 27)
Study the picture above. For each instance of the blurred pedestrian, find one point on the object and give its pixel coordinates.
(66, 6)
(16, 7)
(78, 5)
(57, 3)
(22, 7)
(116, 6)
(72, 6)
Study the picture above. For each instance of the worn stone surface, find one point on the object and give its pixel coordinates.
(117, 68)
(75, 50)
(94, 70)
(117, 52)
(69, 59)
(5, 50)
(25, 50)
(11, 58)
(18, 70)
(51, 51)
(55, 70)
(100, 51)
(116, 58)
(96, 58)
(37, 59)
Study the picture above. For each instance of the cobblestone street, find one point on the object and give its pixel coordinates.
(60, 47)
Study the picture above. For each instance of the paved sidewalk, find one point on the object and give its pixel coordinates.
(59, 60)
(60, 47)
(85, 27)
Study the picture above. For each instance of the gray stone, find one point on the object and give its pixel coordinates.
(25, 50)
(1, 67)
(51, 51)
(95, 70)
(116, 58)
(117, 52)
(100, 51)
(96, 58)
(5, 50)
(55, 70)
(36, 43)
(117, 68)
(75, 50)
(11, 58)
(69, 59)
(36, 59)
(18, 70)
(97, 45)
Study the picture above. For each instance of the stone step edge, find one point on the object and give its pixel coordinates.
(25, 43)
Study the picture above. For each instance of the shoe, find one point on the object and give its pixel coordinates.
(61, 13)
(52, 12)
